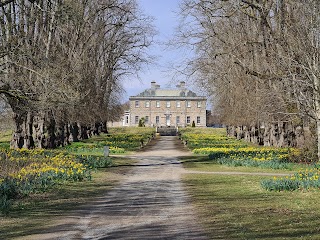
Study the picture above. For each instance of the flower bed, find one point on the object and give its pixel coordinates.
(230, 151)
(304, 179)
(30, 171)
(23, 172)
(119, 140)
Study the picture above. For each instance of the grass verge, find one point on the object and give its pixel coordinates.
(204, 164)
(236, 207)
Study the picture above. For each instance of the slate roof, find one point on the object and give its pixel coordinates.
(156, 91)
(167, 93)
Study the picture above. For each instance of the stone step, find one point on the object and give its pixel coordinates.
(167, 131)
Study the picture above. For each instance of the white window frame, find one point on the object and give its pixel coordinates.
(147, 104)
(198, 120)
(136, 103)
(136, 119)
(178, 120)
(146, 120)
(188, 104)
(157, 119)
(188, 119)
(157, 104)
(168, 104)
(199, 104)
(178, 104)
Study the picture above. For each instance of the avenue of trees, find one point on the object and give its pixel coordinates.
(62, 63)
(259, 59)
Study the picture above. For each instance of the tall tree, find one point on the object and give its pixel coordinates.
(259, 59)
(62, 63)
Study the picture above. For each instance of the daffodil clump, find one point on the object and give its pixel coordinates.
(230, 151)
(119, 140)
(252, 153)
(28, 171)
(303, 179)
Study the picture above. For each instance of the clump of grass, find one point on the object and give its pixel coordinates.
(272, 164)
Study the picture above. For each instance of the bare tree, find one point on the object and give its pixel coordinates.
(260, 59)
(62, 63)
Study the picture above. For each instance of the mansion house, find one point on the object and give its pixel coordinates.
(167, 107)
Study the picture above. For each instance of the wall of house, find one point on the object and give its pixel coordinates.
(149, 110)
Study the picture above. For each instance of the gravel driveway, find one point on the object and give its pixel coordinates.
(151, 203)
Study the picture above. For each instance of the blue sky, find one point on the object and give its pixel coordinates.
(166, 20)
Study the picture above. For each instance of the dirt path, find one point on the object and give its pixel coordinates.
(151, 203)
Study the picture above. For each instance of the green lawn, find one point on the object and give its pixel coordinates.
(203, 163)
(236, 207)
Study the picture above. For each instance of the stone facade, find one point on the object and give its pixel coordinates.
(168, 107)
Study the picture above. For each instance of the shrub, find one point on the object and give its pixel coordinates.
(94, 162)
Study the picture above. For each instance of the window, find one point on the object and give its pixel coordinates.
(178, 120)
(168, 104)
(137, 104)
(136, 119)
(146, 120)
(157, 119)
(198, 120)
(157, 104)
(188, 120)
(127, 119)
(188, 104)
(178, 104)
(147, 104)
(199, 104)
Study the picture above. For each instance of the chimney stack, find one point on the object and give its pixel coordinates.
(182, 85)
(153, 85)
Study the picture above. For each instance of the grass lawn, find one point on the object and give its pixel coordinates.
(203, 163)
(236, 207)
(38, 211)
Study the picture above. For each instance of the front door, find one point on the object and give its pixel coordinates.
(168, 119)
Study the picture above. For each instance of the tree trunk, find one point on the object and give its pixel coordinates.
(318, 137)
(84, 132)
(67, 135)
(104, 127)
(28, 132)
(19, 118)
(38, 127)
(74, 132)
(51, 140)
